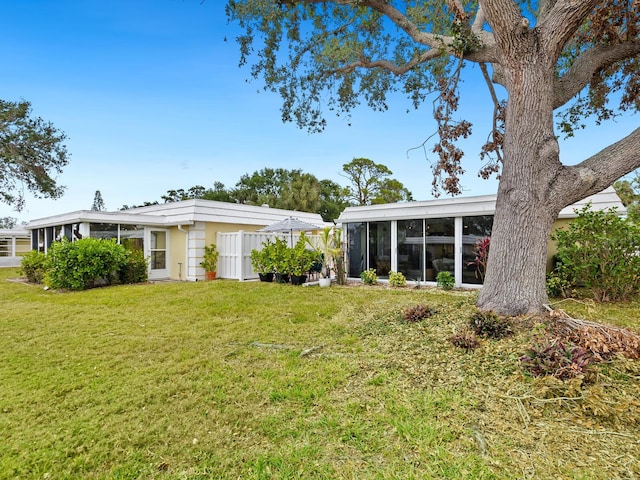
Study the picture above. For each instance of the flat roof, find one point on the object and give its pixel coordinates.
(462, 206)
(14, 232)
(185, 212)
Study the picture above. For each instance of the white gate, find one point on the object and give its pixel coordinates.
(235, 252)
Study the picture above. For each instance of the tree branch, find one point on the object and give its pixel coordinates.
(479, 21)
(588, 63)
(562, 21)
(386, 64)
(439, 44)
(599, 171)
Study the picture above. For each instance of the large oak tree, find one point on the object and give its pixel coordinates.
(32, 153)
(556, 59)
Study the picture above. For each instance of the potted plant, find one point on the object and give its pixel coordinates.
(261, 261)
(281, 260)
(301, 261)
(210, 261)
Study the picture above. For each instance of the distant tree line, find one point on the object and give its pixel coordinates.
(369, 183)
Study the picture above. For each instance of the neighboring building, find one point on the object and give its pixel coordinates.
(172, 235)
(421, 239)
(14, 243)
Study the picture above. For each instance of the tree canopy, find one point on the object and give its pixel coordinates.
(629, 192)
(32, 152)
(558, 61)
(8, 222)
(98, 202)
(370, 183)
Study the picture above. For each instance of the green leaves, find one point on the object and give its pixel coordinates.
(84, 263)
(600, 250)
(31, 153)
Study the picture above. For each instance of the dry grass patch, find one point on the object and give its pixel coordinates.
(255, 381)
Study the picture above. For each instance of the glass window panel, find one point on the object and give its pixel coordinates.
(76, 231)
(440, 254)
(158, 240)
(411, 248)
(158, 260)
(58, 233)
(41, 236)
(103, 230)
(380, 247)
(357, 242)
(132, 237)
(5, 247)
(474, 231)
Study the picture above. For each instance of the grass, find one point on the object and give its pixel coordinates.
(262, 381)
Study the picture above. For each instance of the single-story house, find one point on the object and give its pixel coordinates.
(421, 239)
(173, 235)
(14, 243)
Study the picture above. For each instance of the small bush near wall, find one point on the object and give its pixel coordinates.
(397, 279)
(135, 269)
(369, 277)
(84, 264)
(601, 250)
(33, 266)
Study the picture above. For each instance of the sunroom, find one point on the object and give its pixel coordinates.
(421, 239)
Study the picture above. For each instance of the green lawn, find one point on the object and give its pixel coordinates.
(264, 381)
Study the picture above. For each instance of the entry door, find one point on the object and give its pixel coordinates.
(158, 241)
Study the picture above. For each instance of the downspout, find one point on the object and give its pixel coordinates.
(186, 252)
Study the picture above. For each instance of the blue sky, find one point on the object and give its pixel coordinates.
(152, 98)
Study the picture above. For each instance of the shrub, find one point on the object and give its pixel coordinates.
(417, 313)
(397, 279)
(600, 250)
(445, 280)
(301, 259)
(261, 260)
(135, 269)
(559, 283)
(33, 266)
(490, 325)
(559, 359)
(369, 277)
(465, 338)
(84, 264)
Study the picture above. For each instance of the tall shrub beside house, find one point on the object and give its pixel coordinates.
(33, 266)
(135, 269)
(601, 250)
(84, 264)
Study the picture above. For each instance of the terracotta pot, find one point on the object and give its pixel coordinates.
(211, 275)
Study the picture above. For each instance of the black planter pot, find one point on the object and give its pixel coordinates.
(282, 277)
(298, 279)
(266, 277)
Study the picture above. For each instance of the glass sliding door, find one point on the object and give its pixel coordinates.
(474, 231)
(440, 253)
(357, 248)
(411, 249)
(380, 248)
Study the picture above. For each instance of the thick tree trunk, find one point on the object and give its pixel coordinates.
(515, 279)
